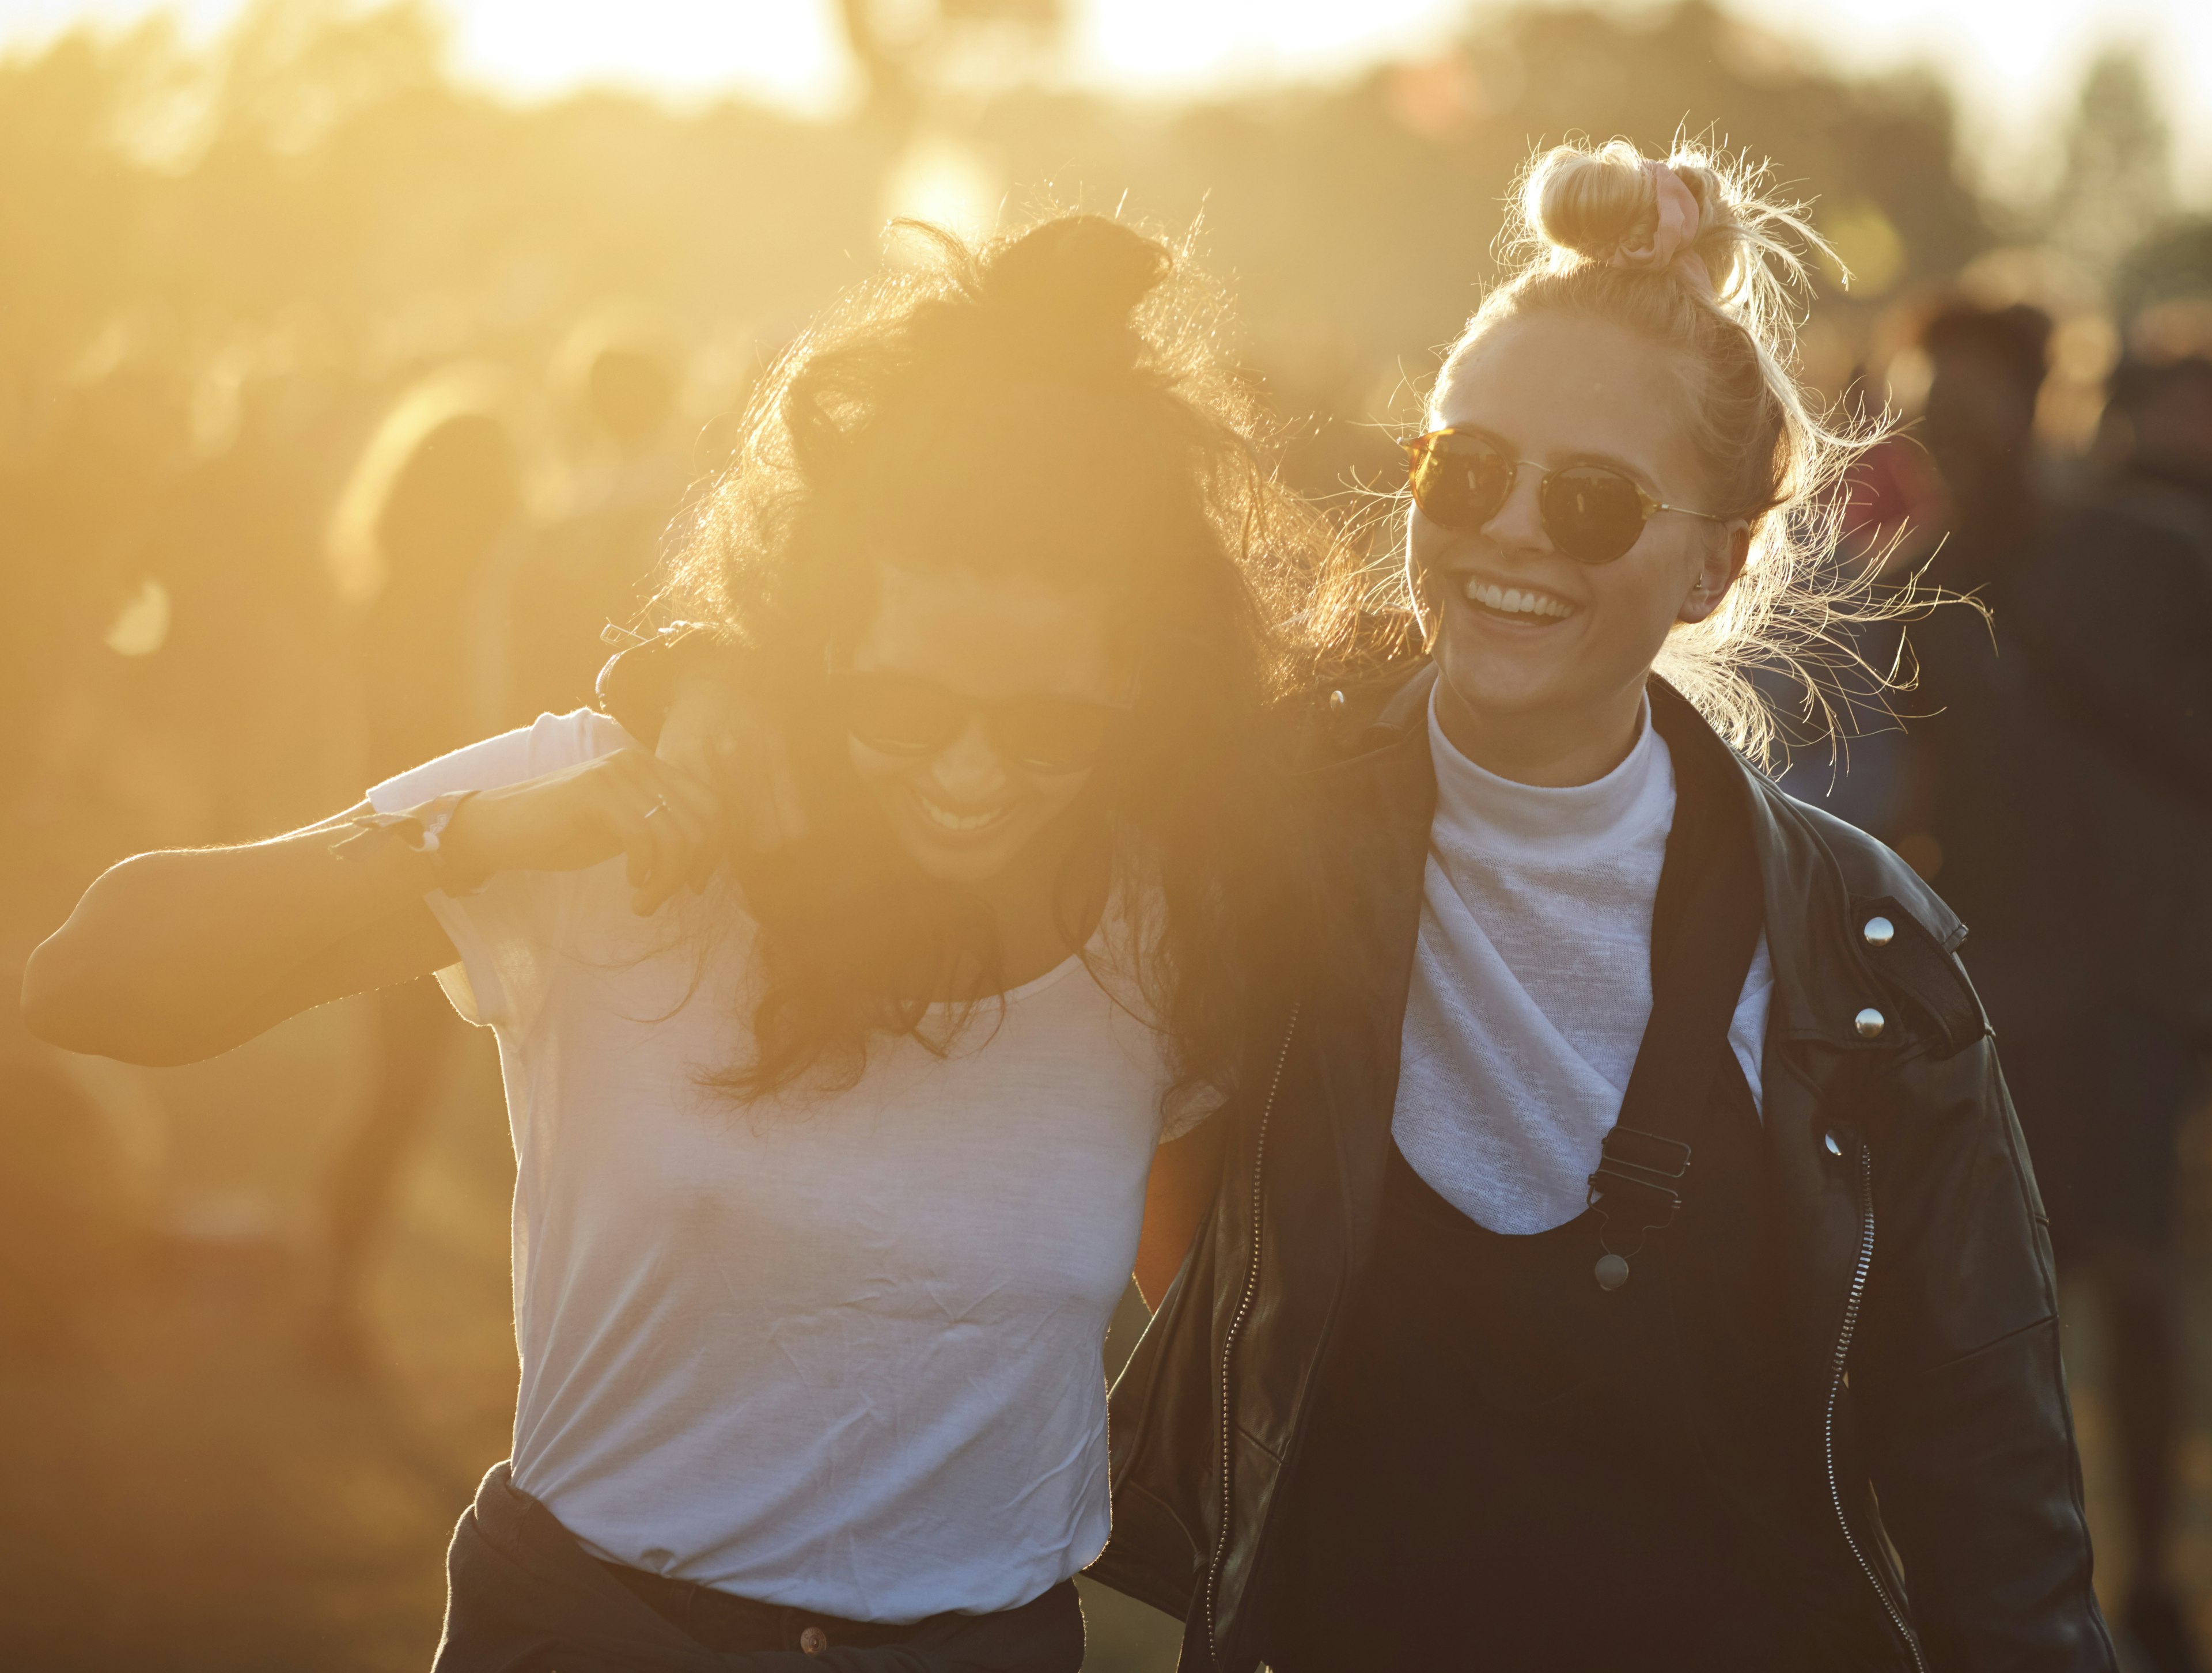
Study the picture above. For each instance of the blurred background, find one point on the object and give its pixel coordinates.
(357, 361)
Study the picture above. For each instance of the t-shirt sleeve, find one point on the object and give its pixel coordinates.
(1186, 1110)
(504, 932)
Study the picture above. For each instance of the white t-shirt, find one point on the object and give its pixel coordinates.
(1532, 982)
(841, 1353)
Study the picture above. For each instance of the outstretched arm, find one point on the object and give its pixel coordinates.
(176, 956)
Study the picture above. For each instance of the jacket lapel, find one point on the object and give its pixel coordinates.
(1377, 898)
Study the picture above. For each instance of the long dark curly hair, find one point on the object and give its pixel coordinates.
(1053, 403)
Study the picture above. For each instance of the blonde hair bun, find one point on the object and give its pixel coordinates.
(1579, 202)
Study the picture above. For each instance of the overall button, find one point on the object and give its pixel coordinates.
(1870, 1022)
(1879, 932)
(814, 1640)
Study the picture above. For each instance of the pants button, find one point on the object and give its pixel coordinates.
(814, 1640)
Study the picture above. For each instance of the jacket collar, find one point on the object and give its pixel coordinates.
(1822, 881)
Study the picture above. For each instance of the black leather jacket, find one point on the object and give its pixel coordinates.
(1924, 1345)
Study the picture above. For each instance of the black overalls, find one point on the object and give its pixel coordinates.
(1502, 1471)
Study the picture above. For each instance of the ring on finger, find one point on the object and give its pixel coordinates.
(658, 808)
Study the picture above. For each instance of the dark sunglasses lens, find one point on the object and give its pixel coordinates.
(1054, 734)
(901, 717)
(1592, 513)
(1460, 481)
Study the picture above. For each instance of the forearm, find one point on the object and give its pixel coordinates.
(169, 954)
(1960, 1390)
(1981, 1491)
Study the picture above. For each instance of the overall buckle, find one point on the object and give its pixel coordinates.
(1634, 1188)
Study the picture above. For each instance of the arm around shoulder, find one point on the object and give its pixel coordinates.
(1186, 1172)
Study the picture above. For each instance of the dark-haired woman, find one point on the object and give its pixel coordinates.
(831, 1169)
(1632, 1262)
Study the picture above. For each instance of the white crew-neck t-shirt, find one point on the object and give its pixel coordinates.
(1532, 982)
(841, 1352)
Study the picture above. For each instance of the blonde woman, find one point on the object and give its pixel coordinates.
(1637, 1201)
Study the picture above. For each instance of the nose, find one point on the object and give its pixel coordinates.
(969, 769)
(1519, 524)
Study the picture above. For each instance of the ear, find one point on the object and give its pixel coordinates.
(1723, 561)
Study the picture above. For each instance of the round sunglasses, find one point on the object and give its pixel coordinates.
(1461, 479)
(899, 715)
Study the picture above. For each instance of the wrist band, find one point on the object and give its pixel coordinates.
(418, 830)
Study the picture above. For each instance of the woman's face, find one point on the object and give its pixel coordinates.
(963, 812)
(1542, 654)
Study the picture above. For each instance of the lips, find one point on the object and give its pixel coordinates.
(955, 824)
(1521, 603)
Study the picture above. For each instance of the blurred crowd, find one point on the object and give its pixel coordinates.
(261, 550)
(245, 591)
(2052, 774)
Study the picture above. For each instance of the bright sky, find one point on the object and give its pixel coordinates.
(2014, 63)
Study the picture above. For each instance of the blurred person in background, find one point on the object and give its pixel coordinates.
(1983, 816)
(84, 774)
(2033, 727)
(248, 681)
(82, 506)
(437, 490)
(1593, 1259)
(619, 376)
(2119, 639)
(831, 1170)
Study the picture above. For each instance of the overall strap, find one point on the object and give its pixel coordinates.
(1706, 928)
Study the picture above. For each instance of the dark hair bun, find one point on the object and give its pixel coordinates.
(1067, 291)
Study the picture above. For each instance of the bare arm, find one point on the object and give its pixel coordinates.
(173, 957)
(1185, 1173)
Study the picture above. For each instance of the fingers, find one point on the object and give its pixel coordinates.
(687, 829)
(757, 762)
(622, 808)
(665, 821)
(785, 815)
(718, 735)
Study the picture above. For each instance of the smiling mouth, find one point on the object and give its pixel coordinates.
(1525, 605)
(953, 822)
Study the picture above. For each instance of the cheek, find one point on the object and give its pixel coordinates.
(1424, 546)
(882, 776)
(1050, 798)
(1641, 595)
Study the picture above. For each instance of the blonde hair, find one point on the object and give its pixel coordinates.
(1773, 457)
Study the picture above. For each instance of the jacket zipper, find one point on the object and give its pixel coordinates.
(1237, 1325)
(1835, 1392)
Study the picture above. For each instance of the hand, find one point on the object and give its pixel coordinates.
(717, 734)
(664, 819)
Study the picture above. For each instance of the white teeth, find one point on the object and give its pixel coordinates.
(945, 819)
(1514, 601)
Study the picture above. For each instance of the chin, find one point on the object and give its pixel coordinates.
(1488, 684)
(970, 861)
(968, 870)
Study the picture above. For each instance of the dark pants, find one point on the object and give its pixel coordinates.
(522, 1597)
